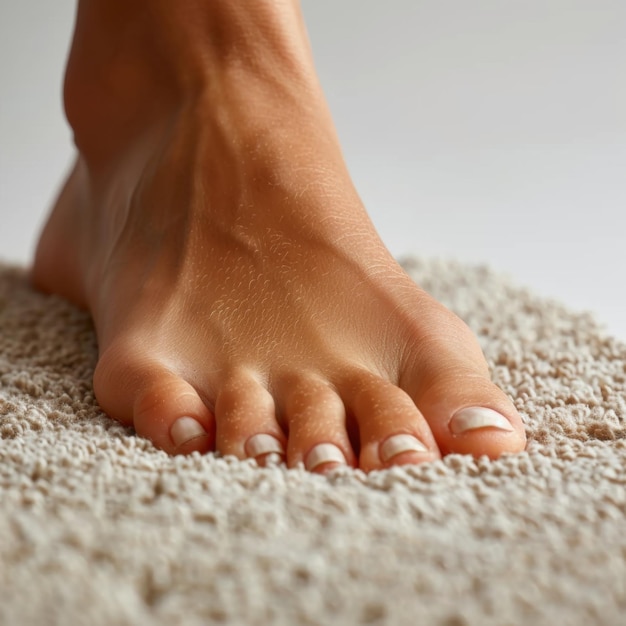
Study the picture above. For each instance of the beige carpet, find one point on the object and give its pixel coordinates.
(97, 527)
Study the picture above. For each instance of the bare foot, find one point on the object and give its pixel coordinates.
(242, 299)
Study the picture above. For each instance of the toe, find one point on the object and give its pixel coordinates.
(316, 419)
(468, 414)
(392, 430)
(246, 424)
(161, 406)
(466, 411)
(170, 413)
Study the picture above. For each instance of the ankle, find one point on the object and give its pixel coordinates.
(133, 62)
(117, 78)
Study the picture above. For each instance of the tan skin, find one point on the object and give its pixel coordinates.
(237, 285)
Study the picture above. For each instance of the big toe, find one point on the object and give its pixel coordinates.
(466, 412)
(471, 415)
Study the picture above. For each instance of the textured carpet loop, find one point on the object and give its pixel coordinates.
(98, 527)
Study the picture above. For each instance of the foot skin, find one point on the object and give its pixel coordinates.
(242, 300)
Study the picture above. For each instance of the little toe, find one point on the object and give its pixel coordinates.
(246, 425)
(169, 412)
(392, 430)
(316, 419)
(160, 405)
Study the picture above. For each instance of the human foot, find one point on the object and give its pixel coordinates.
(242, 300)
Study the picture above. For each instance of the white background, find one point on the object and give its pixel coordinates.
(486, 131)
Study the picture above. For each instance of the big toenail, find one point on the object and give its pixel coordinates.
(324, 453)
(185, 429)
(261, 444)
(398, 444)
(474, 418)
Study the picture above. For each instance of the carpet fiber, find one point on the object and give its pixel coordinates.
(98, 527)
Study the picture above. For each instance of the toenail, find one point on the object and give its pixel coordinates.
(474, 418)
(324, 453)
(185, 429)
(398, 444)
(261, 444)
